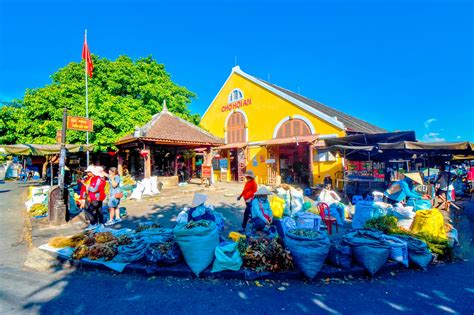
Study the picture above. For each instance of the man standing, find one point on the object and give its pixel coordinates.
(248, 193)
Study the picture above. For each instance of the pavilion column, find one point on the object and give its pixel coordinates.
(311, 165)
(120, 163)
(147, 162)
(176, 163)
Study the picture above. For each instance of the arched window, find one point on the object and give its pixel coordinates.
(235, 95)
(236, 131)
(293, 127)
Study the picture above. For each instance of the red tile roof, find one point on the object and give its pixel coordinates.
(166, 128)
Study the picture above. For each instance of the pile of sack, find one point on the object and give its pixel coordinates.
(145, 187)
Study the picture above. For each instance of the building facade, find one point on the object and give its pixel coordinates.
(274, 132)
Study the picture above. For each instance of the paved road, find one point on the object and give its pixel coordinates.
(444, 289)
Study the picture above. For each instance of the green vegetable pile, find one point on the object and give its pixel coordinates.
(308, 233)
(195, 224)
(387, 224)
(147, 226)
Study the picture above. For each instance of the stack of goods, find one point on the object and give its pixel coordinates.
(37, 203)
(263, 254)
(197, 241)
(309, 249)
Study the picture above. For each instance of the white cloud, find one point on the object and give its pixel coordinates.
(458, 137)
(429, 122)
(433, 137)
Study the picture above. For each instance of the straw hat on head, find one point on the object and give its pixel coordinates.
(415, 176)
(90, 169)
(250, 174)
(263, 191)
(198, 200)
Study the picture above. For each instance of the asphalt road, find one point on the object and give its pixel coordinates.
(443, 289)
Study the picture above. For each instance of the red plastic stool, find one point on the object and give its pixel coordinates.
(328, 220)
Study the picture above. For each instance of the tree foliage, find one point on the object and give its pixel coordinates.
(122, 94)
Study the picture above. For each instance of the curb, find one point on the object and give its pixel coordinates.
(181, 270)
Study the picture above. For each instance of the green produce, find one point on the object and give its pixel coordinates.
(81, 252)
(387, 224)
(194, 224)
(309, 233)
(104, 237)
(105, 251)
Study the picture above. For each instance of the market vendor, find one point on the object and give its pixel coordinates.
(248, 194)
(85, 182)
(262, 215)
(199, 210)
(403, 189)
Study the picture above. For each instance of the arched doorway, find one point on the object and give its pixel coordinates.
(294, 164)
(236, 131)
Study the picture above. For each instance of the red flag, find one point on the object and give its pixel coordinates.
(86, 55)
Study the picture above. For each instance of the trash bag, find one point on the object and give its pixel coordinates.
(309, 253)
(340, 255)
(308, 220)
(197, 245)
(398, 249)
(227, 258)
(164, 253)
(132, 252)
(364, 210)
(277, 205)
(418, 251)
(369, 248)
(429, 222)
(404, 215)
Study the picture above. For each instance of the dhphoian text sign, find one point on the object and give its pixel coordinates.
(79, 123)
(236, 105)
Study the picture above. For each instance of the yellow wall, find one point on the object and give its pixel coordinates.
(264, 113)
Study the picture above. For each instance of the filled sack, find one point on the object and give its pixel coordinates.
(430, 223)
(131, 253)
(307, 220)
(287, 224)
(398, 249)
(277, 205)
(164, 253)
(418, 252)
(364, 210)
(227, 258)
(340, 255)
(369, 249)
(309, 249)
(404, 215)
(197, 241)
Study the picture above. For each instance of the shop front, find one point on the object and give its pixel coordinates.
(274, 132)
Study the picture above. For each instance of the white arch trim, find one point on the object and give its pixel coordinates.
(246, 124)
(284, 120)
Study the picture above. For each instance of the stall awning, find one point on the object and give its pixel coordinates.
(43, 149)
(427, 146)
(352, 147)
(294, 140)
(238, 145)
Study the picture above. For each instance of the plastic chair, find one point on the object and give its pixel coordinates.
(356, 199)
(327, 219)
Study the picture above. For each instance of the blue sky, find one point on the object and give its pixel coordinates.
(402, 65)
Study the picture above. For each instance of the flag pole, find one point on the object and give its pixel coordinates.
(87, 103)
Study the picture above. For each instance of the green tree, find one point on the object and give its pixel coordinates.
(122, 94)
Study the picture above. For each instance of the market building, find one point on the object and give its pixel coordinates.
(276, 133)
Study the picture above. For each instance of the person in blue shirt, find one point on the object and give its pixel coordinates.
(403, 189)
(262, 215)
(199, 210)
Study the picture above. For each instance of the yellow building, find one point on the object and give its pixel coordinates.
(275, 132)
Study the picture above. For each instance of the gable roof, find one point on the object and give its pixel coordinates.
(166, 128)
(328, 114)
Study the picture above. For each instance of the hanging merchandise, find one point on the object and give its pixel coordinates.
(309, 249)
(227, 258)
(197, 241)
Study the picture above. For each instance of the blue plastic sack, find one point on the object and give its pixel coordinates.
(340, 255)
(309, 254)
(418, 252)
(369, 248)
(364, 211)
(197, 245)
(169, 255)
(419, 204)
(227, 258)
